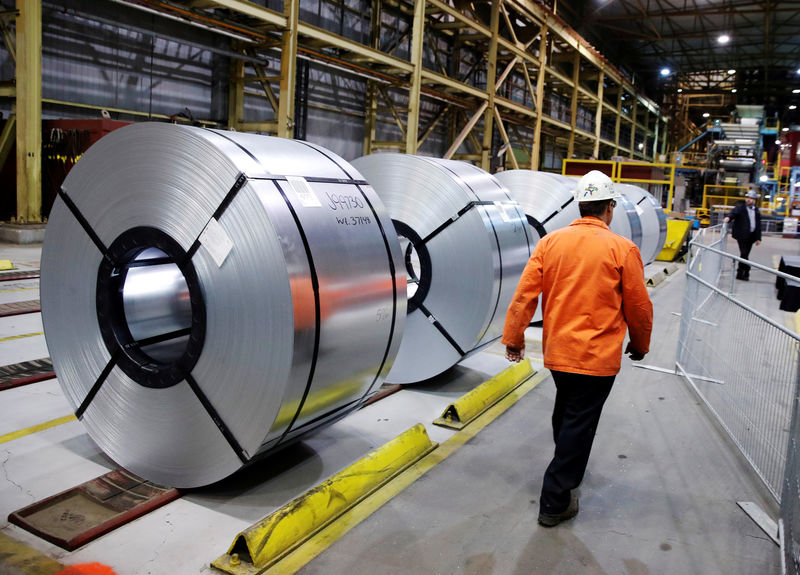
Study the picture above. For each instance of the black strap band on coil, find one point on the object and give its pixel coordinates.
(313, 179)
(442, 330)
(558, 211)
(536, 225)
(455, 218)
(241, 179)
(82, 221)
(393, 273)
(96, 386)
(218, 421)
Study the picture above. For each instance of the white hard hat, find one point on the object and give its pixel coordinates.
(595, 186)
(752, 194)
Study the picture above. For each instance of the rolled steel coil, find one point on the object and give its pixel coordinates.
(465, 243)
(652, 217)
(208, 296)
(549, 203)
(547, 199)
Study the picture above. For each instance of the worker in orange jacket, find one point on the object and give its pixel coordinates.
(592, 286)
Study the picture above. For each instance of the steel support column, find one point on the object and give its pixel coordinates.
(598, 115)
(236, 95)
(619, 120)
(29, 111)
(417, 43)
(491, 80)
(576, 70)
(371, 103)
(536, 148)
(285, 118)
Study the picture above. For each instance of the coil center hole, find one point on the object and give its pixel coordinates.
(413, 266)
(156, 304)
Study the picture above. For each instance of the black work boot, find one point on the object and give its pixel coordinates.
(553, 519)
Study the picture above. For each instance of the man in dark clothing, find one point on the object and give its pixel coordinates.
(746, 230)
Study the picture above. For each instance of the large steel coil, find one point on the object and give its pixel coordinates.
(652, 217)
(208, 296)
(547, 199)
(465, 243)
(549, 203)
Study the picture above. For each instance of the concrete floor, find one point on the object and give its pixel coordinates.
(659, 497)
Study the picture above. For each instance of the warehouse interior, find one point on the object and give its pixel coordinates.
(421, 126)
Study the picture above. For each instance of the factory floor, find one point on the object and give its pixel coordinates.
(660, 495)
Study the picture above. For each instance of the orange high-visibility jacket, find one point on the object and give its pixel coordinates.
(592, 285)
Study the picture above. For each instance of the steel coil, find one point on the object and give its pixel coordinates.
(652, 217)
(547, 199)
(208, 296)
(549, 203)
(465, 243)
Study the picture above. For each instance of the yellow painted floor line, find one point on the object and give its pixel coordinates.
(16, 557)
(20, 336)
(330, 534)
(36, 428)
(19, 289)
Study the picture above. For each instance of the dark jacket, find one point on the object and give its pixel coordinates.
(740, 223)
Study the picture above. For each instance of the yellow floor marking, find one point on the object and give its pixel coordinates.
(19, 558)
(19, 289)
(36, 428)
(9, 338)
(330, 534)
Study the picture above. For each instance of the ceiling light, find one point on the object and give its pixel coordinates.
(763, 178)
(798, 71)
(723, 38)
(731, 71)
(778, 142)
(796, 91)
(641, 146)
(784, 129)
(792, 107)
(733, 90)
(680, 90)
(706, 114)
(665, 71)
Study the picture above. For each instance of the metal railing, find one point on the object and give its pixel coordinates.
(745, 366)
(747, 363)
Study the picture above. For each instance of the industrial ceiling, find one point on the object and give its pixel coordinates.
(744, 52)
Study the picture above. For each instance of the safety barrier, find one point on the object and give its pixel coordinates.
(744, 366)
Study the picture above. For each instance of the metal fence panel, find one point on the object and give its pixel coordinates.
(790, 503)
(745, 367)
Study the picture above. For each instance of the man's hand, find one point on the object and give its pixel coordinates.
(635, 355)
(514, 354)
(758, 242)
(725, 220)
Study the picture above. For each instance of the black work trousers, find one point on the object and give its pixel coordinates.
(579, 402)
(745, 245)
